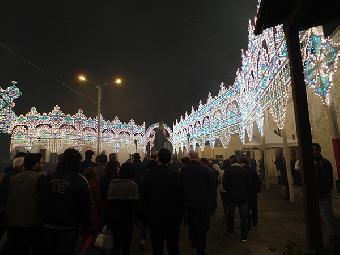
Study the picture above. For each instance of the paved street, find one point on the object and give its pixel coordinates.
(279, 222)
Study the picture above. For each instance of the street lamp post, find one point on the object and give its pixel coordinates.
(99, 87)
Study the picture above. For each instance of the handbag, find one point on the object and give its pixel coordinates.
(104, 240)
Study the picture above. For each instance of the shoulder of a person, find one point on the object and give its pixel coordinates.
(80, 179)
(326, 161)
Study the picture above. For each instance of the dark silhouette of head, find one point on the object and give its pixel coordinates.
(316, 150)
(20, 154)
(233, 159)
(244, 160)
(136, 156)
(101, 159)
(70, 160)
(205, 161)
(164, 156)
(32, 161)
(126, 171)
(89, 154)
(113, 157)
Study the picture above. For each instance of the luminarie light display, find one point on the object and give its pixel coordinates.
(56, 131)
(261, 83)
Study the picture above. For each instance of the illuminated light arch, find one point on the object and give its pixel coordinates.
(263, 83)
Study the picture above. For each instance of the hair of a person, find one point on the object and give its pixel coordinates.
(89, 154)
(244, 160)
(318, 146)
(233, 159)
(112, 156)
(164, 156)
(20, 154)
(31, 159)
(126, 171)
(205, 161)
(70, 160)
(185, 160)
(136, 156)
(18, 162)
(226, 164)
(101, 159)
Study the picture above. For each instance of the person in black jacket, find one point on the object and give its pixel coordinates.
(196, 185)
(139, 176)
(324, 171)
(214, 181)
(254, 189)
(65, 204)
(161, 192)
(236, 182)
(87, 163)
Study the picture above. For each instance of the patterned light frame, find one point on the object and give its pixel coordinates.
(261, 83)
(57, 131)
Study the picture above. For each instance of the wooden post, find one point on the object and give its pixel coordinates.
(303, 130)
(289, 170)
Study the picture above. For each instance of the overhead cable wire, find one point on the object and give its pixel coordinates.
(238, 8)
(58, 81)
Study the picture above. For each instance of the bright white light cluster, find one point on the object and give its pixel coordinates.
(57, 131)
(7, 97)
(262, 83)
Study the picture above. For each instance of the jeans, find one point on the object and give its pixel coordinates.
(327, 216)
(243, 210)
(25, 240)
(61, 241)
(168, 232)
(198, 222)
(122, 236)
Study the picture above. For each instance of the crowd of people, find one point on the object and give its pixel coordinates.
(63, 211)
(49, 213)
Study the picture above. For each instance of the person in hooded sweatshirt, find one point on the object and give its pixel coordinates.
(121, 204)
(23, 219)
(65, 205)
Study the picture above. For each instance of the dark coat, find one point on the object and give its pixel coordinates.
(86, 164)
(324, 172)
(196, 184)
(237, 183)
(256, 183)
(65, 200)
(161, 192)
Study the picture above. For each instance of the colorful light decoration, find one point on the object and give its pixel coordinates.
(7, 97)
(57, 131)
(261, 83)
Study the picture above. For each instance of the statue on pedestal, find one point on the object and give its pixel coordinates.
(161, 140)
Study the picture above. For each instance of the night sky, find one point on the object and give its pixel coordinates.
(170, 53)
